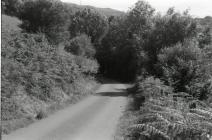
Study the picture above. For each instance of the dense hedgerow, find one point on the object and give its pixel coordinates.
(29, 61)
(176, 104)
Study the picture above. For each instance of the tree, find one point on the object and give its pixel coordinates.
(81, 46)
(88, 22)
(167, 31)
(11, 7)
(121, 53)
(139, 18)
(46, 16)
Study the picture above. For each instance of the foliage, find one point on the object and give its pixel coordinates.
(11, 7)
(201, 87)
(166, 31)
(108, 54)
(29, 61)
(87, 22)
(45, 16)
(139, 18)
(171, 47)
(134, 41)
(180, 64)
(81, 46)
(120, 55)
(207, 59)
(176, 51)
(183, 68)
(41, 114)
(205, 37)
(168, 115)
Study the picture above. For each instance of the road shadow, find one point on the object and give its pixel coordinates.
(112, 94)
(104, 80)
(120, 89)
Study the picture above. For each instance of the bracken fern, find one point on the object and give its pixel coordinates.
(174, 116)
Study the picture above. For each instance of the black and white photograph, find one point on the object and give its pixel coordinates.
(106, 70)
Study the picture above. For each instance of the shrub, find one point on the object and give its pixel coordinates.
(87, 66)
(180, 65)
(149, 88)
(88, 22)
(205, 37)
(152, 87)
(41, 114)
(11, 7)
(81, 46)
(45, 16)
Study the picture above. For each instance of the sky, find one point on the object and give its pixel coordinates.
(198, 8)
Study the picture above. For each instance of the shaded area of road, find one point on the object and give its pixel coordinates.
(94, 118)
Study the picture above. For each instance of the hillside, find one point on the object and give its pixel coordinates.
(36, 79)
(207, 21)
(104, 11)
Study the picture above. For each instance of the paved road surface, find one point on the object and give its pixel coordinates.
(94, 118)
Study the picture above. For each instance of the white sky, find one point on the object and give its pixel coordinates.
(198, 8)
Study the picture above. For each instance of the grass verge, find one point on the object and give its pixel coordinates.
(128, 118)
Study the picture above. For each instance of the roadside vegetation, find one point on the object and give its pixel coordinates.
(51, 54)
(39, 76)
(170, 61)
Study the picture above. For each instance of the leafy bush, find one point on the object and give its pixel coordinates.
(167, 30)
(41, 114)
(87, 22)
(11, 7)
(180, 65)
(148, 88)
(29, 61)
(205, 37)
(139, 18)
(81, 46)
(87, 66)
(151, 87)
(45, 16)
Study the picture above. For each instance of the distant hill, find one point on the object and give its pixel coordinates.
(207, 21)
(104, 11)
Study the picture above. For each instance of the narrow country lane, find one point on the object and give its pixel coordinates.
(94, 118)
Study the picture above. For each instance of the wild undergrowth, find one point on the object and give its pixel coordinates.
(36, 76)
(163, 114)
